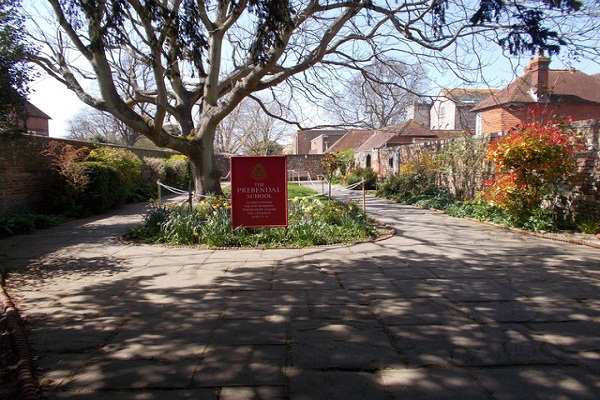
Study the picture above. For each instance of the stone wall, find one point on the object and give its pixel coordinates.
(586, 188)
(587, 195)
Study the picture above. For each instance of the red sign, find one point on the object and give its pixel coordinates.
(259, 191)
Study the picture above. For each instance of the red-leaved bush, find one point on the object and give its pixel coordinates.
(530, 164)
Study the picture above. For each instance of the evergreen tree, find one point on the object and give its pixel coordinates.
(14, 71)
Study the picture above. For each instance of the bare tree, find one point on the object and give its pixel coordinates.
(249, 130)
(194, 61)
(378, 95)
(91, 123)
(229, 132)
(263, 134)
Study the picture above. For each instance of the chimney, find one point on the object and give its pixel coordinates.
(419, 112)
(540, 67)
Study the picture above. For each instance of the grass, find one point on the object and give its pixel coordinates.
(298, 190)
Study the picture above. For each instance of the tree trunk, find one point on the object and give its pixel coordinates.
(206, 176)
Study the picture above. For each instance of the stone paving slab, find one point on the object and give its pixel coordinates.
(243, 365)
(540, 383)
(336, 385)
(445, 309)
(424, 384)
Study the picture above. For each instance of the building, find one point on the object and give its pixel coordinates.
(369, 153)
(452, 109)
(315, 141)
(321, 143)
(540, 91)
(351, 140)
(419, 112)
(36, 122)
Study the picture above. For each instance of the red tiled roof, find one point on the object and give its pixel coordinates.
(404, 132)
(33, 111)
(564, 86)
(467, 97)
(351, 140)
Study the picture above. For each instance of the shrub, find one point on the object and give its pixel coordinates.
(67, 160)
(177, 170)
(104, 190)
(360, 174)
(417, 177)
(158, 168)
(142, 191)
(311, 222)
(19, 224)
(530, 164)
(589, 226)
(345, 159)
(406, 185)
(463, 166)
(124, 162)
(439, 201)
(478, 209)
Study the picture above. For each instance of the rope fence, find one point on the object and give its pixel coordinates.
(199, 197)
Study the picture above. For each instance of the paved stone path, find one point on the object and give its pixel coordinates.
(445, 309)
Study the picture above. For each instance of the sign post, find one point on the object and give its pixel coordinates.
(259, 191)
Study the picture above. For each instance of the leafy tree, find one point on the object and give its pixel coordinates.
(346, 160)
(14, 72)
(330, 163)
(195, 61)
(531, 163)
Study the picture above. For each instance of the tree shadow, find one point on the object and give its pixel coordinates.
(375, 320)
(444, 309)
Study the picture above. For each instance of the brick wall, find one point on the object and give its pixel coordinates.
(503, 119)
(300, 166)
(26, 176)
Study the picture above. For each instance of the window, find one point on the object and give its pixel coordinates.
(478, 125)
